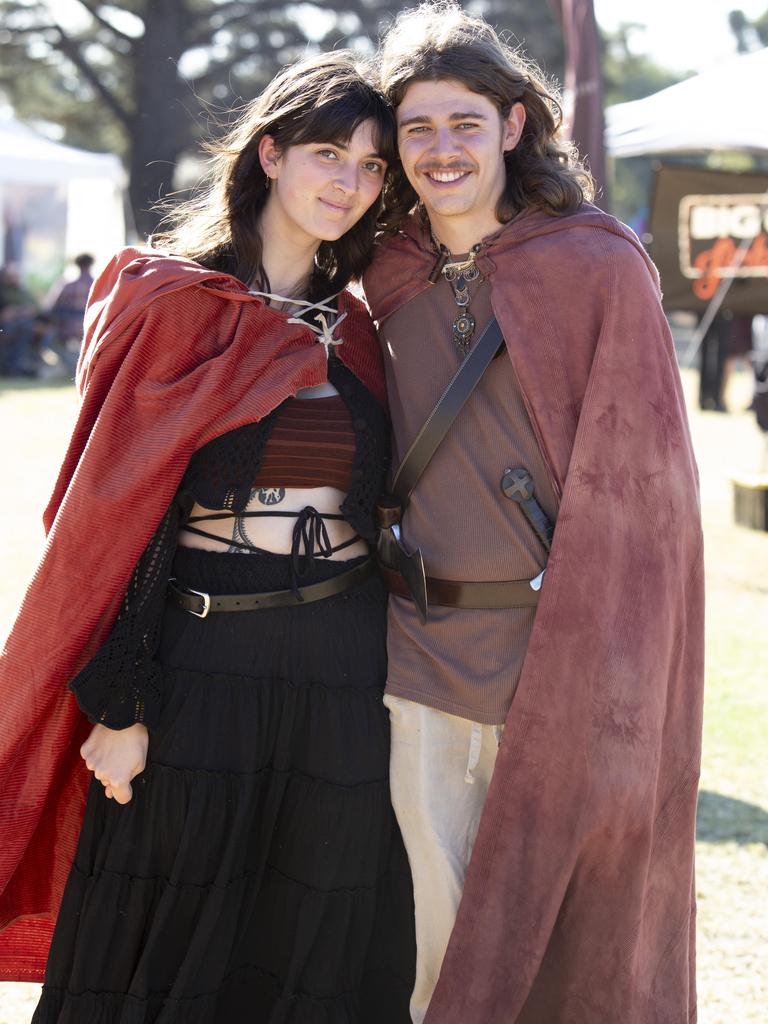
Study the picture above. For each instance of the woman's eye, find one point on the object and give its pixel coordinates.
(328, 152)
(374, 167)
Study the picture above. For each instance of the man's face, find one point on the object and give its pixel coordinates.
(452, 142)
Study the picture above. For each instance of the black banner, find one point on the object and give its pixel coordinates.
(707, 226)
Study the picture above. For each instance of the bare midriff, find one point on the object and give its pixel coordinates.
(275, 533)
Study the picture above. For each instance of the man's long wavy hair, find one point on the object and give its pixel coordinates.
(439, 41)
(322, 98)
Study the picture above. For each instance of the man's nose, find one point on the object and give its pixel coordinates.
(444, 142)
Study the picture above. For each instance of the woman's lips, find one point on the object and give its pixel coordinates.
(338, 207)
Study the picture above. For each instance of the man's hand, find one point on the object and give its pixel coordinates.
(115, 756)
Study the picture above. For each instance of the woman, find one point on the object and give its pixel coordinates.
(239, 859)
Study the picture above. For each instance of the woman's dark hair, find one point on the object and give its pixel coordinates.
(439, 41)
(323, 98)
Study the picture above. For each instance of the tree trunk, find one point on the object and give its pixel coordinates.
(160, 125)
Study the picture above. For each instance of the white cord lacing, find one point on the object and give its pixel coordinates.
(324, 330)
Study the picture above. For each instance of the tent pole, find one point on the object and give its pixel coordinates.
(714, 306)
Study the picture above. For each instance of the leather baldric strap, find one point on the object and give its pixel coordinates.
(429, 438)
(402, 570)
(200, 604)
(469, 594)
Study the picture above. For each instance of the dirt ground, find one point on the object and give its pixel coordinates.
(732, 872)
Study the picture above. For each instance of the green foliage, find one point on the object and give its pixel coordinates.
(631, 75)
(627, 74)
(149, 79)
(748, 33)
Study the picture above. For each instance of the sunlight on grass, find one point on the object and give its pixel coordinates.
(733, 821)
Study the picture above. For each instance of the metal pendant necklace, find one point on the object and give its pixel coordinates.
(459, 274)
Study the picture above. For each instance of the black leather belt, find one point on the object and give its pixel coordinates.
(200, 604)
(469, 594)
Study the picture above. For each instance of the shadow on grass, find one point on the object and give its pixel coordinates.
(11, 384)
(721, 819)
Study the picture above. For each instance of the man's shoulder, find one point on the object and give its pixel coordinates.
(585, 246)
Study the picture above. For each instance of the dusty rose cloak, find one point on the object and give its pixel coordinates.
(579, 901)
(175, 355)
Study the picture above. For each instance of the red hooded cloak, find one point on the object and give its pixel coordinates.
(174, 356)
(578, 906)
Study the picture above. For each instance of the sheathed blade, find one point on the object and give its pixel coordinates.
(411, 566)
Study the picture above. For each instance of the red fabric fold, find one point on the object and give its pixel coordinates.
(174, 356)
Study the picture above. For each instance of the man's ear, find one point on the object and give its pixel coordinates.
(513, 127)
(269, 156)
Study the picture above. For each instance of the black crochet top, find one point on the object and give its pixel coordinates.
(122, 684)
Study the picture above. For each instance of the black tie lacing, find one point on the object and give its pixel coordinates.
(309, 532)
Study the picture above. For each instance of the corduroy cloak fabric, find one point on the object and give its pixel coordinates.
(579, 902)
(174, 356)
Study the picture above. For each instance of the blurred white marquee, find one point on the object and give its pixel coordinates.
(725, 107)
(55, 200)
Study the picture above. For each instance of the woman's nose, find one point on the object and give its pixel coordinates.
(347, 179)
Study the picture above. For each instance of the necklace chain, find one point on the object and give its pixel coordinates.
(459, 273)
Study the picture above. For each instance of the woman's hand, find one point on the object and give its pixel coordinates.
(115, 756)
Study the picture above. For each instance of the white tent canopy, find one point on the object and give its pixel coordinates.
(723, 108)
(28, 157)
(56, 200)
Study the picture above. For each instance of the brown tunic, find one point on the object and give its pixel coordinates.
(464, 661)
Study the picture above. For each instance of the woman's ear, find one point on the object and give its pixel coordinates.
(269, 156)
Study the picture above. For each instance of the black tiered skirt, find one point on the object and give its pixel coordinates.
(258, 874)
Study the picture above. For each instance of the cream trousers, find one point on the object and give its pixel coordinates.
(440, 770)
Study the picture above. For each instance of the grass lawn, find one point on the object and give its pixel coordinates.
(35, 421)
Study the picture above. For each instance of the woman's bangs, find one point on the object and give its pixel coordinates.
(337, 121)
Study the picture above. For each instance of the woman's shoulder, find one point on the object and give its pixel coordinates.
(144, 287)
(142, 274)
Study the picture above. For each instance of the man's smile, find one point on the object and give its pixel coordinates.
(446, 177)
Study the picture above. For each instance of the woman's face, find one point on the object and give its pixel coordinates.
(318, 191)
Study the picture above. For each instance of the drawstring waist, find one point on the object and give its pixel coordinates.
(309, 540)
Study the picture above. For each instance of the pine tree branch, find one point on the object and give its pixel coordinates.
(70, 49)
(105, 23)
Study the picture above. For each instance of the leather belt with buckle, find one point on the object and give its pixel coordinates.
(201, 604)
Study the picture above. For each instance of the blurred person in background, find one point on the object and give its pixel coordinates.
(18, 326)
(66, 308)
(728, 340)
(239, 859)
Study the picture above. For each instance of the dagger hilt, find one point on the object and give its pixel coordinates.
(517, 484)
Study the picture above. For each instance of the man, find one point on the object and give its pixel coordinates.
(562, 849)
(67, 309)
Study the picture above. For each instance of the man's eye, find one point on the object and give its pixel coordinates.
(468, 124)
(418, 129)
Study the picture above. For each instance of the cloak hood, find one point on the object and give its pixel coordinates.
(174, 356)
(414, 250)
(578, 906)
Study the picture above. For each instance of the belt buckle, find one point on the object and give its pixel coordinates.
(203, 614)
(535, 583)
(206, 603)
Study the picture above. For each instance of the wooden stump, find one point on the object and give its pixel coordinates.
(750, 501)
